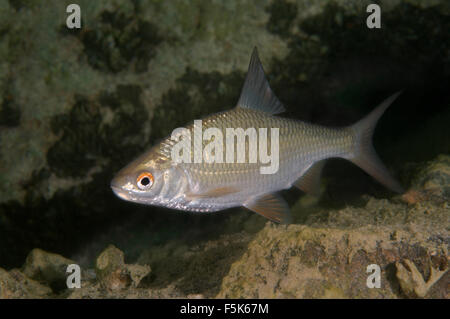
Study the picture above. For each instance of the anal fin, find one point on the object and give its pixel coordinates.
(310, 181)
(271, 206)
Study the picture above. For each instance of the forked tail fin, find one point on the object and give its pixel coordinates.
(364, 154)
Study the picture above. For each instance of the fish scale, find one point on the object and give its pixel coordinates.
(209, 187)
(300, 144)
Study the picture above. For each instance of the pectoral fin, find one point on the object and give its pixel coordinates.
(310, 181)
(271, 206)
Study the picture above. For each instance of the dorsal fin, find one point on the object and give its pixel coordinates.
(256, 93)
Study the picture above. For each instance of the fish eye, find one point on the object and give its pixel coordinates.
(144, 180)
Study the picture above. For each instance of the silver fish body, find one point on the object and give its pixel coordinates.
(300, 146)
(208, 187)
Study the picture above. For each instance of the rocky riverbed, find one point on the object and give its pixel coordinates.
(325, 257)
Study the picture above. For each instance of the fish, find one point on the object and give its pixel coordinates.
(155, 178)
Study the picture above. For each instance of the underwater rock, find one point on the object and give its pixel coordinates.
(194, 268)
(434, 176)
(304, 262)
(411, 280)
(47, 268)
(114, 274)
(110, 269)
(430, 180)
(327, 257)
(14, 284)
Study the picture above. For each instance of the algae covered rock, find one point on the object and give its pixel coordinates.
(434, 176)
(113, 273)
(305, 262)
(328, 256)
(47, 267)
(14, 284)
(412, 282)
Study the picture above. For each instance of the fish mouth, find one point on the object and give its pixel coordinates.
(119, 192)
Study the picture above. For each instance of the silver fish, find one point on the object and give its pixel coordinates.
(155, 179)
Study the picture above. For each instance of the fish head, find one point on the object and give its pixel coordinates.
(151, 180)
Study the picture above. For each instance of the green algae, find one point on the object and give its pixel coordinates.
(118, 39)
(195, 95)
(9, 112)
(282, 15)
(19, 4)
(86, 141)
